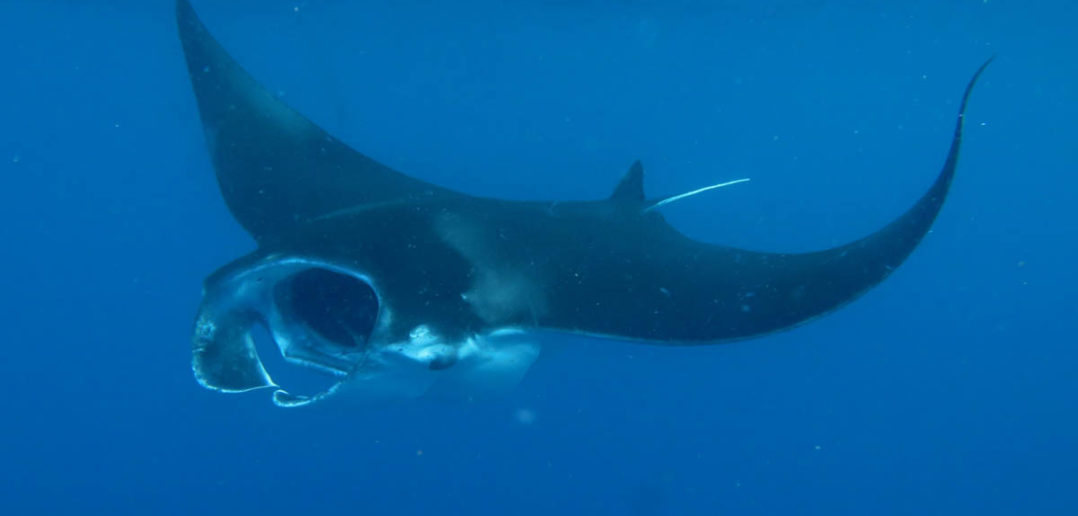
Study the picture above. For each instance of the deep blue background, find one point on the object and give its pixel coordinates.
(950, 389)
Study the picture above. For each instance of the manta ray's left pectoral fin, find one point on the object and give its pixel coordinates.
(277, 168)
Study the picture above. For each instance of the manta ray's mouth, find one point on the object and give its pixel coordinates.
(325, 318)
(319, 315)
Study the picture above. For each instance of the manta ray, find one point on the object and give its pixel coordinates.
(373, 276)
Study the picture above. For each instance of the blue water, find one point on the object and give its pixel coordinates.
(950, 389)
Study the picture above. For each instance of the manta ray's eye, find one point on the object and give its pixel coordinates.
(341, 309)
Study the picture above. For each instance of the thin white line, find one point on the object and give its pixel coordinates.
(669, 200)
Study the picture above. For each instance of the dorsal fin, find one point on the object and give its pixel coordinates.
(631, 187)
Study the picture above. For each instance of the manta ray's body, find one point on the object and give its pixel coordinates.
(361, 270)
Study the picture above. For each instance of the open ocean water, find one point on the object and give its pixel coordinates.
(952, 388)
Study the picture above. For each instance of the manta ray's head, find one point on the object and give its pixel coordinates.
(332, 318)
(321, 316)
